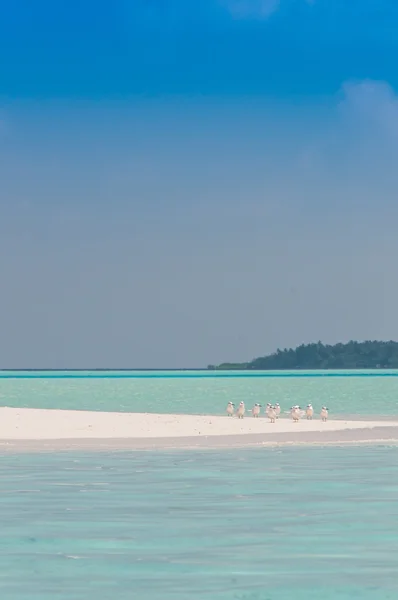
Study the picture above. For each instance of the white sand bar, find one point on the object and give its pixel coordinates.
(35, 429)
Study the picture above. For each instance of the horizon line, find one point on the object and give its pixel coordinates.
(190, 373)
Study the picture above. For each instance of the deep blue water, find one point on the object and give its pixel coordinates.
(195, 374)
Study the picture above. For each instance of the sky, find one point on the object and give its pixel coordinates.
(191, 183)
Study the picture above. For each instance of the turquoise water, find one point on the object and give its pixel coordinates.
(361, 393)
(253, 524)
(286, 524)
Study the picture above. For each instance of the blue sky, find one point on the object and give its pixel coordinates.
(185, 184)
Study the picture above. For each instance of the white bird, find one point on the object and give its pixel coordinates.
(241, 410)
(296, 413)
(272, 414)
(277, 410)
(324, 413)
(309, 411)
(256, 410)
(230, 409)
(267, 408)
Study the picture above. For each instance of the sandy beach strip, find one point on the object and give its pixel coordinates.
(37, 429)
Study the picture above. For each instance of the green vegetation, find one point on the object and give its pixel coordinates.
(353, 355)
(229, 367)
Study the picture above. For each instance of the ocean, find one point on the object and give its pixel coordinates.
(206, 392)
(291, 523)
(255, 524)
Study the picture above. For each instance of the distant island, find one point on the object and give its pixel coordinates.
(353, 355)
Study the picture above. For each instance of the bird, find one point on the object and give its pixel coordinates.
(272, 414)
(309, 411)
(256, 410)
(277, 410)
(296, 413)
(230, 409)
(241, 410)
(267, 408)
(324, 413)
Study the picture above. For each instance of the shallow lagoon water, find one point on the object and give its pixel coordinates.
(253, 524)
(359, 393)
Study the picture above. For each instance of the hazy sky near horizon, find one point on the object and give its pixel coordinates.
(183, 185)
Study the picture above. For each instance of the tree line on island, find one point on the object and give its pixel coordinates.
(353, 355)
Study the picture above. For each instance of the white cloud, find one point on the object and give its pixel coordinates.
(254, 9)
(371, 104)
(243, 9)
(363, 123)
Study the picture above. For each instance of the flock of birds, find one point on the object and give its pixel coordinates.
(273, 411)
